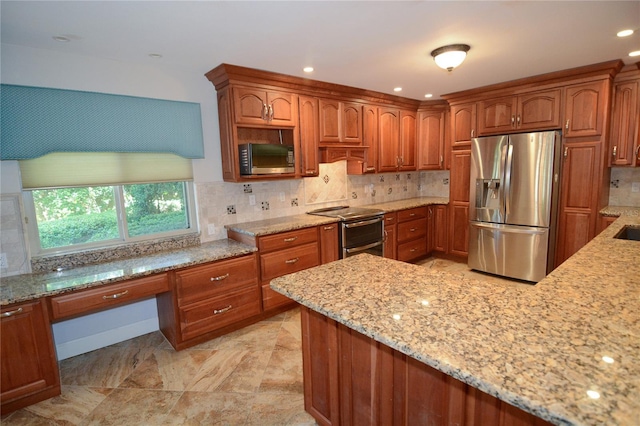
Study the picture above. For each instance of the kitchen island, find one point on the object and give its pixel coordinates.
(566, 350)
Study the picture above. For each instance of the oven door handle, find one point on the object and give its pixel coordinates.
(363, 248)
(362, 223)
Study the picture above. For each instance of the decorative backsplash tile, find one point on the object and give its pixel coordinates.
(621, 189)
(329, 186)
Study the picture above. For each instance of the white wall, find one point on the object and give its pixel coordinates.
(43, 68)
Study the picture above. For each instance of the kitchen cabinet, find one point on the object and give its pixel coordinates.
(397, 140)
(625, 119)
(29, 371)
(329, 247)
(530, 111)
(412, 234)
(431, 139)
(459, 202)
(350, 378)
(340, 122)
(463, 124)
(579, 197)
(264, 107)
(437, 229)
(604, 222)
(369, 142)
(390, 238)
(586, 107)
(308, 107)
(208, 300)
(105, 297)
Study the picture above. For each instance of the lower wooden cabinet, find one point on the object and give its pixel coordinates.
(604, 222)
(412, 234)
(437, 229)
(390, 238)
(29, 366)
(350, 379)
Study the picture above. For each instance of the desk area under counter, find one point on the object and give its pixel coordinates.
(565, 350)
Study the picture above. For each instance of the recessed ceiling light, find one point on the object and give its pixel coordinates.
(635, 53)
(61, 39)
(397, 89)
(155, 55)
(307, 69)
(625, 33)
(428, 95)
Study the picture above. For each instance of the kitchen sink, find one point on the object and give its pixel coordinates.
(629, 232)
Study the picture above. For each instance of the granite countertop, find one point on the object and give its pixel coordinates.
(616, 211)
(290, 223)
(20, 288)
(544, 348)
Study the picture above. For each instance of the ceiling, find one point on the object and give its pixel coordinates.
(371, 45)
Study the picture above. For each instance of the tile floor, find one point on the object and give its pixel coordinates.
(249, 377)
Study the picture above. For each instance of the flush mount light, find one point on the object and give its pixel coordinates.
(61, 39)
(397, 89)
(428, 95)
(307, 69)
(155, 55)
(635, 53)
(624, 33)
(449, 57)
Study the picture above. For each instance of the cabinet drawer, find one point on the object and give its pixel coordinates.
(218, 312)
(107, 296)
(273, 299)
(283, 240)
(412, 250)
(410, 214)
(215, 279)
(288, 261)
(390, 218)
(411, 230)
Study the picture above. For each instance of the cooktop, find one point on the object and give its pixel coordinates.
(347, 213)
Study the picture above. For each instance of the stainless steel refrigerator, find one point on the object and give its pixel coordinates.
(513, 204)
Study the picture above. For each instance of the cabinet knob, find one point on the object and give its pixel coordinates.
(270, 113)
(513, 121)
(518, 120)
(265, 112)
(566, 125)
(566, 151)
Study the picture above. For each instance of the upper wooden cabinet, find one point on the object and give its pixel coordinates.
(369, 141)
(308, 136)
(396, 140)
(625, 120)
(431, 140)
(586, 106)
(340, 122)
(531, 111)
(264, 108)
(463, 124)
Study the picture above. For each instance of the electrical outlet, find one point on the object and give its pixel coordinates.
(3, 261)
(211, 229)
(281, 196)
(635, 187)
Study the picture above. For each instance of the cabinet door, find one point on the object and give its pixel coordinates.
(329, 121)
(540, 110)
(329, 248)
(281, 109)
(250, 105)
(463, 124)
(585, 108)
(390, 236)
(431, 140)
(29, 368)
(625, 121)
(497, 115)
(581, 178)
(228, 147)
(459, 202)
(351, 123)
(388, 139)
(370, 137)
(309, 135)
(440, 228)
(408, 137)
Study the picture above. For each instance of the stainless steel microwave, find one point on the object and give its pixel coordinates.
(266, 159)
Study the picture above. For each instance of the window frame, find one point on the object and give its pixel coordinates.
(33, 234)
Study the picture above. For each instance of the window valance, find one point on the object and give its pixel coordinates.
(36, 121)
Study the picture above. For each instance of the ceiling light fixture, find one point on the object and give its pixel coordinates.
(624, 33)
(307, 69)
(449, 57)
(397, 89)
(155, 55)
(635, 53)
(61, 39)
(429, 95)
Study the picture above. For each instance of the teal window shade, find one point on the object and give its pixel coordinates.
(36, 121)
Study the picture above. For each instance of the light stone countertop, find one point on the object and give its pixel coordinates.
(537, 347)
(20, 288)
(290, 223)
(620, 211)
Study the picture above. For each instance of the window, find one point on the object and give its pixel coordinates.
(71, 219)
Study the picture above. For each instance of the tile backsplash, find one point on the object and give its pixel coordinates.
(263, 200)
(622, 186)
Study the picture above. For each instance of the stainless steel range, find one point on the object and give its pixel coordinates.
(361, 229)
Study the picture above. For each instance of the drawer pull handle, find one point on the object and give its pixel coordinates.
(222, 311)
(328, 228)
(291, 261)
(220, 278)
(11, 313)
(288, 240)
(412, 250)
(413, 229)
(115, 296)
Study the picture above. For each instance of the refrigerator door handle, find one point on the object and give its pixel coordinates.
(513, 230)
(506, 194)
